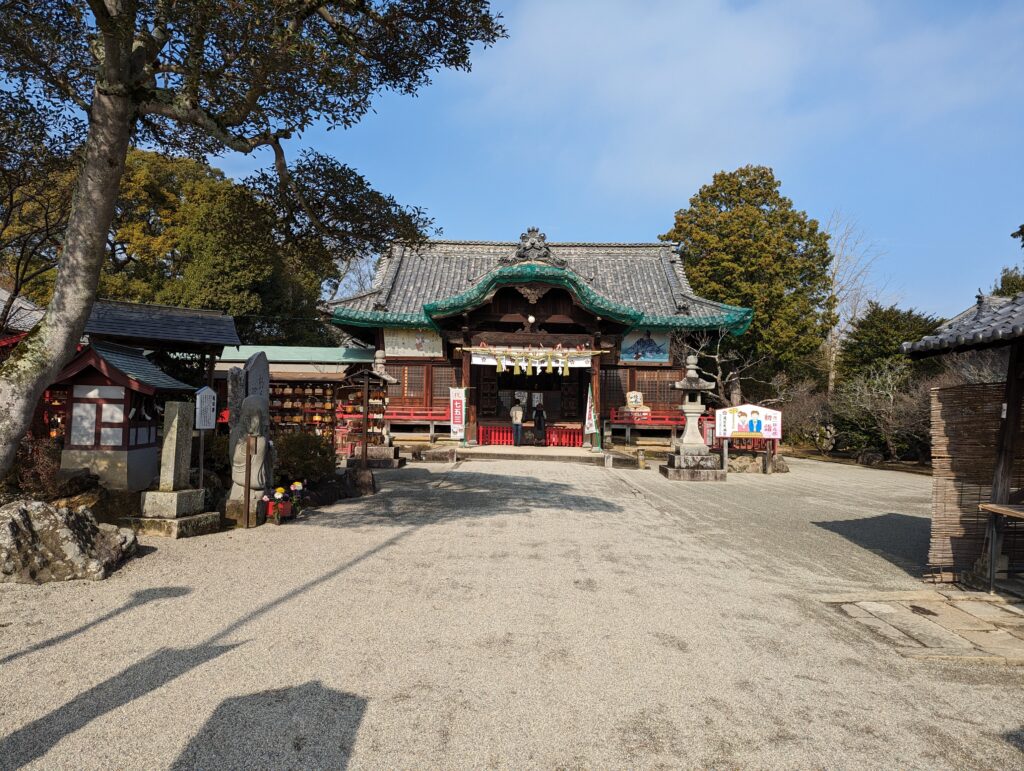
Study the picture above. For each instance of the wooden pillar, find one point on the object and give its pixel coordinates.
(1010, 427)
(595, 384)
(470, 405)
(1006, 447)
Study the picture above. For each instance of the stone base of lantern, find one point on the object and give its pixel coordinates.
(687, 464)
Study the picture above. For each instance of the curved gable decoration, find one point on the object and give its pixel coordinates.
(533, 272)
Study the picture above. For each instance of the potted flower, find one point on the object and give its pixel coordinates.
(296, 490)
(279, 504)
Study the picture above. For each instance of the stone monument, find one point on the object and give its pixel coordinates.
(691, 460)
(253, 443)
(173, 509)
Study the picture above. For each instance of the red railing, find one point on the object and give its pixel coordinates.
(494, 434)
(417, 414)
(622, 416)
(556, 436)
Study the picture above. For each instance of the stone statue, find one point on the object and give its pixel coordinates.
(254, 421)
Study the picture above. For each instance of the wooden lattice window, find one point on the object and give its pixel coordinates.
(656, 386)
(443, 379)
(409, 388)
(614, 384)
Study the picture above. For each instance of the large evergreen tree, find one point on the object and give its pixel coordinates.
(198, 76)
(744, 243)
(877, 335)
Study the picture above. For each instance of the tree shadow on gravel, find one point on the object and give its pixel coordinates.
(138, 599)
(899, 538)
(427, 498)
(34, 740)
(307, 726)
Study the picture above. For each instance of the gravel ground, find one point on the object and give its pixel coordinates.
(512, 615)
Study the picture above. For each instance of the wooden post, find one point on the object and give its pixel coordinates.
(595, 384)
(1006, 447)
(366, 421)
(248, 478)
(470, 405)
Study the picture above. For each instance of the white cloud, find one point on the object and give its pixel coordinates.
(652, 97)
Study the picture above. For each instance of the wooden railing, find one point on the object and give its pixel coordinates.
(417, 414)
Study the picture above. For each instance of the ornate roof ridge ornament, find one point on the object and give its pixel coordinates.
(533, 247)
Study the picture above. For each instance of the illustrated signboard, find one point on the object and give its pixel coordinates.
(206, 409)
(457, 402)
(412, 343)
(647, 346)
(748, 421)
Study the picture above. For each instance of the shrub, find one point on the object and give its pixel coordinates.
(35, 468)
(300, 456)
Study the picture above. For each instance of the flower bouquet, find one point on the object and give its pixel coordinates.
(278, 503)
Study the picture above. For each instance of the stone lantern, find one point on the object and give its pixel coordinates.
(691, 460)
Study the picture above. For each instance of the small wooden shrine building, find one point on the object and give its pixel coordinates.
(977, 446)
(529, 320)
(113, 409)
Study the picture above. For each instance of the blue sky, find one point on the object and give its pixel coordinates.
(596, 120)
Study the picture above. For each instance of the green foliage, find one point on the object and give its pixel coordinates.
(303, 457)
(877, 335)
(743, 243)
(1010, 284)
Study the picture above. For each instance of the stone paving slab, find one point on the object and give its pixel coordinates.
(948, 616)
(992, 612)
(929, 624)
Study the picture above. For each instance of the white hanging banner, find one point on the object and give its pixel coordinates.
(457, 403)
(590, 426)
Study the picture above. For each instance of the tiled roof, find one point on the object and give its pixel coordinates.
(25, 314)
(133, 363)
(989, 322)
(139, 321)
(284, 354)
(647, 279)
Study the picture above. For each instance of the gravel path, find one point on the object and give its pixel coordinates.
(510, 615)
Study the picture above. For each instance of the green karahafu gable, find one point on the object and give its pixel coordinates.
(732, 318)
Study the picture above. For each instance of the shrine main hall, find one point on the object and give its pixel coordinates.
(529, 320)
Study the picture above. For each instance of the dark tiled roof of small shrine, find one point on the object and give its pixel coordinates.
(133, 363)
(641, 284)
(991, 321)
(25, 314)
(161, 323)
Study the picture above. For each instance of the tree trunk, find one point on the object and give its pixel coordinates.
(38, 358)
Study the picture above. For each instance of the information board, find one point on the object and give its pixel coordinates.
(206, 408)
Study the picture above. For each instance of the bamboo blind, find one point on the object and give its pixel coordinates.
(965, 427)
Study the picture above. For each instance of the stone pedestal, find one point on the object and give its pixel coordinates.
(693, 467)
(171, 504)
(234, 513)
(377, 456)
(172, 510)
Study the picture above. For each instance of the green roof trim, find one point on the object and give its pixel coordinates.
(542, 273)
(343, 316)
(731, 317)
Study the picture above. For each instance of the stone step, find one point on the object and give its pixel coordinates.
(180, 527)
